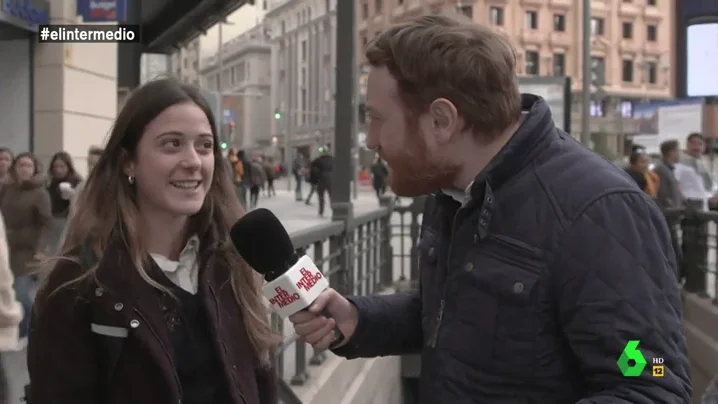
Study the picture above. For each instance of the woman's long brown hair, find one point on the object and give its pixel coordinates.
(108, 207)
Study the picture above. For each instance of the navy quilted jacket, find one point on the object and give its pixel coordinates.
(531, 290)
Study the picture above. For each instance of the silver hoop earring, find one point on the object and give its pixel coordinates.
(130, 179)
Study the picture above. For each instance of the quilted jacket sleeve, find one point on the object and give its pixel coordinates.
(388, 325)
(616, 281)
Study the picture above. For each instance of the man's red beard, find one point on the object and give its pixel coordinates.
(414, 174)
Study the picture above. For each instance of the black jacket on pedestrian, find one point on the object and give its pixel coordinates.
(554, 264)
(320, 171)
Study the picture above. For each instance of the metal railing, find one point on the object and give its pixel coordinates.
(694, 237)
(356, 257)
(377, 250)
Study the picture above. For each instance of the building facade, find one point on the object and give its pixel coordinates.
(185, 63)
(244, 87)
(55, 96)
(154, 66)
(632, 44)
(303, 60)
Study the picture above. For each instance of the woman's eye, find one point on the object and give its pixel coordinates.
(172, 142)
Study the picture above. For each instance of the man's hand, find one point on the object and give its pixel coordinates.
(317, 330)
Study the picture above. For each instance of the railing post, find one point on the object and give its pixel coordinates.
(387, 252)
(695, 248)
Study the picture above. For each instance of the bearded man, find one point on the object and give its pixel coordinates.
(539, 260)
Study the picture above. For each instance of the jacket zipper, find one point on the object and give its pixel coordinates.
(164, 348)
(216, 331)
(442, 303)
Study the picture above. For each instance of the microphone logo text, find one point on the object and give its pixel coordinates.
(283, 298)
(308, 279)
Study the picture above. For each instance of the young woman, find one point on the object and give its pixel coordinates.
(149, 302)
(63, 181)
(25, 205)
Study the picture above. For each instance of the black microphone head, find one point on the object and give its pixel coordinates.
(263, 242)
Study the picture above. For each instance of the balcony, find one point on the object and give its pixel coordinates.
(629, 10)
(628, 46)
(533, 3)
(652, 14)
(563, 4)
(560, 39)
(653, 49)
(532, 37)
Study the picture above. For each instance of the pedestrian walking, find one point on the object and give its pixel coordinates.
(11, 312)
(379, 177)
(148, 301)
(25, 204)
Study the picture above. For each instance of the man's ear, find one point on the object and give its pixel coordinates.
(445, 118)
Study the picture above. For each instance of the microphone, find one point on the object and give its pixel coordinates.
(293, 283)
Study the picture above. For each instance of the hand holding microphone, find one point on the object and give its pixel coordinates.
(295, 287)
(317, 329)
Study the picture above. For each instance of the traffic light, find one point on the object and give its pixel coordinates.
(223, 145)
(277, 115)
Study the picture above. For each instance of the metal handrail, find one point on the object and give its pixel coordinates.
(357, 260)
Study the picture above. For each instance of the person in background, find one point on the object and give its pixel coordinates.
(63, 181)
(6, 158)
(696, 186)
(299, 167)
(237, 171)
(258, 179)
(246, 183)
(323, 167)
(11, 312)
(638, 170)
(26, 207)
(149, 302)
(270, 170)
(379, 176)
(669, 194)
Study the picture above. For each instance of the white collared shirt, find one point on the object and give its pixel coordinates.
(184, 272)
(458, 196)
(691, 183)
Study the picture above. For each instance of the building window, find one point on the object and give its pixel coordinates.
(652, 2)
(378, 5)
(598, 64)
(467, 11)
(559, 64)
(559, 23)
(651, 72)
(597, 26)
(496, 15)
(627, 30)
(531, 20)
(627, 71)
(532, 62)
(364, 10)
(304, 51)
(652, 33)
(598, 108)
(626, 109)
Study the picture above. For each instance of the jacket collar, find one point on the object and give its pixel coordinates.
(535, 133)
(118, 274)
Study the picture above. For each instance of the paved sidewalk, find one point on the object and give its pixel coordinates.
(296, 215)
